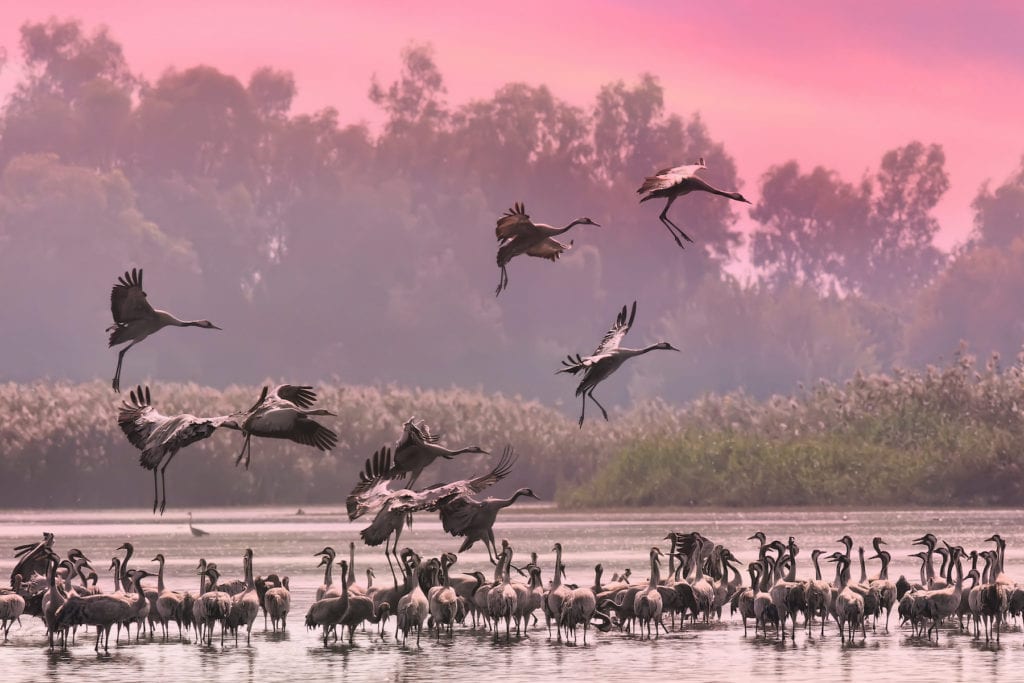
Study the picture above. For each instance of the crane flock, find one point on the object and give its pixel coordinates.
(701, 581)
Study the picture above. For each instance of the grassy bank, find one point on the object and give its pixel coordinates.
(952, 435)
(946, 435)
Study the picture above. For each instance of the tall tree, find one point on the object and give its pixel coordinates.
(999, 213)
(874, 238)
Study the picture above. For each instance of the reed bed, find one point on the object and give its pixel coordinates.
(953, 434)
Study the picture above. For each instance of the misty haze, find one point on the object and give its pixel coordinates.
(836, 346)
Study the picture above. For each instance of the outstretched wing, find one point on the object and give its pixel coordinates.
(158, 435)
(613, 338)
(513, 223)
(128, 300)
(668, 177)
(302, 396)
(309, 432)
(414, 434)
(458, 514)
(433, 496)
(371, 491)
(548, 248)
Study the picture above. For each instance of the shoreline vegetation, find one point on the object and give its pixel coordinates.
(950, 436)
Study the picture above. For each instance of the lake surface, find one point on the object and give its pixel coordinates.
(285, 543)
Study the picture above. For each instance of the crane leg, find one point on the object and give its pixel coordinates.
(583, 410)
(502, 281)
(245, 452)
(603, 411)
(163, 483)
(117, 373)
(156, 492)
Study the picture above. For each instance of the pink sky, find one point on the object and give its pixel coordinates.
(833, 84)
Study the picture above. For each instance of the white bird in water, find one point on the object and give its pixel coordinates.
(672, 183)
(196, 531)
(135, 319)
(519, 235)
(606, 359)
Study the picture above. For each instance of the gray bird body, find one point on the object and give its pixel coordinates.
(606, 359)
(418, 448)
(519, 235)
(473, 519)
(160, 436)
(135, 319)
(372, 494)
(286, 413)
(672, 183)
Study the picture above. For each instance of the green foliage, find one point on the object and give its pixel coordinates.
(954, 434)
(910, 438)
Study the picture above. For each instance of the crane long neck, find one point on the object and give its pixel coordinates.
(351, 578)
(655, 579)
(117, 575)
(558, 567)
(327, 572)
(250, 584)
(817, 567)
(567, 228)
(629, 353)
(160, 576)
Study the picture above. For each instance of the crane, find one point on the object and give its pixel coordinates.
(135, 319)
(672, 183)
(606, 359)
(519, 235)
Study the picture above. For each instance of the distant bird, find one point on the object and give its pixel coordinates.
(466, 516)
(672, 183)
(195, 530)
(373, 494)
(418, 448)
(519, 235)
(160, 437)
(135, 319)
(285, 413)
(606, 359)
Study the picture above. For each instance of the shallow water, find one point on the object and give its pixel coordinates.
(284, 543)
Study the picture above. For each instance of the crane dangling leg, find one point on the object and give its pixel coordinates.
(502, 281)
(603, 411)
(246, 451)
(156, 492)
(673, 229)
(583, 410)
(120, 359)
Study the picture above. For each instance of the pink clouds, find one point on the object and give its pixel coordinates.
(826, 83)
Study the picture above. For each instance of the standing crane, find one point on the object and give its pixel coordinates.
(135, 319)
(606, 359)
(519, 235)
(196, 531)
(672, 183)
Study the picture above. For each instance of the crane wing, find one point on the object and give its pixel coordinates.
(618, 331)
(35, 559)
(309, 432)
(128, 300)
(513, 223)
(414, 434)
(433, 496)
(158, 435)
(302, 396)
(371, 491)
(668, 177)
(458, 514)
(548, 248)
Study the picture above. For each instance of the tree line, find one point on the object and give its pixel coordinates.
(329, 251)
